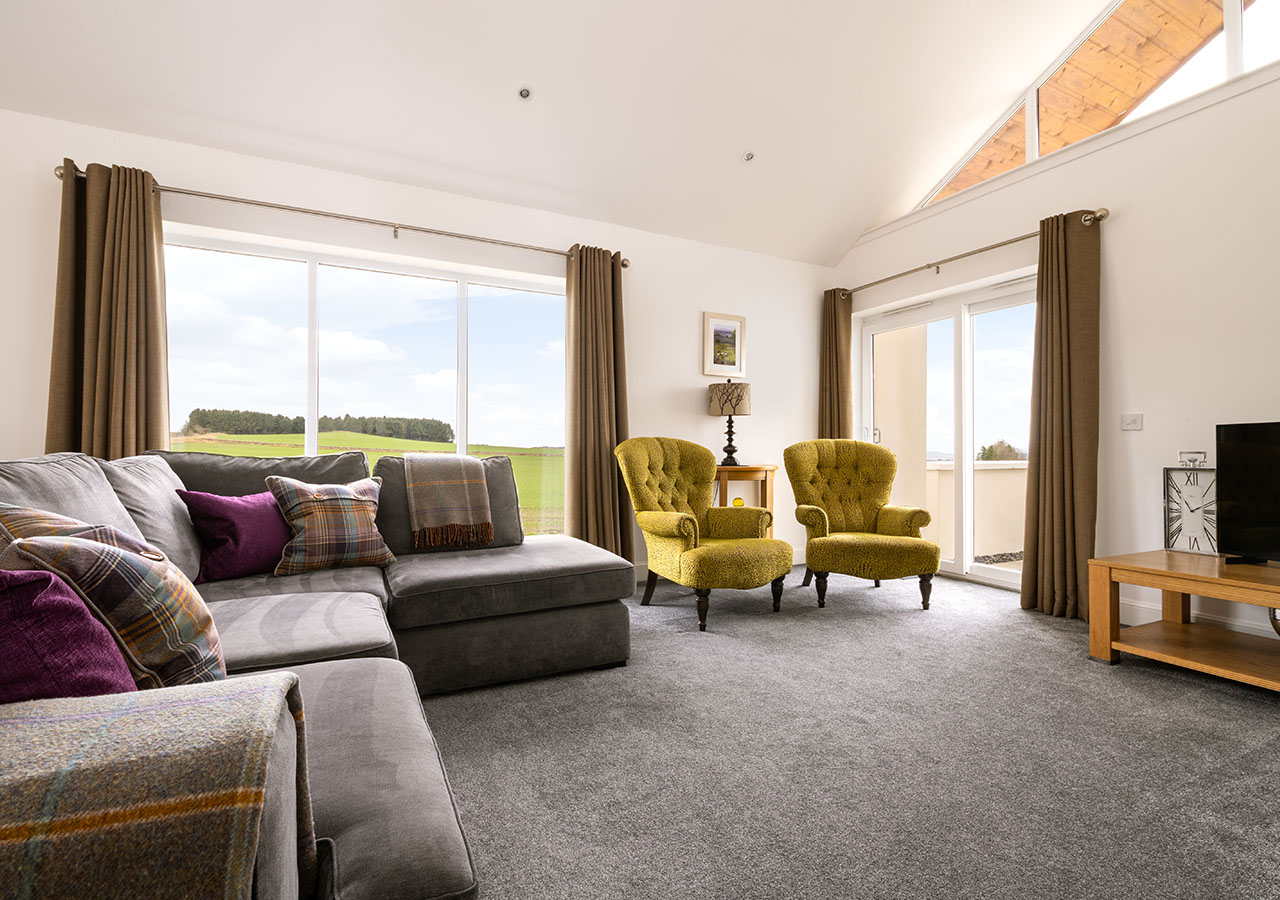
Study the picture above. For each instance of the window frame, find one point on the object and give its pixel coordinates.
(960, 307)
(1233, 27)
(354, 259)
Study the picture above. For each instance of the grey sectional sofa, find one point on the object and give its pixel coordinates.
(366, 642)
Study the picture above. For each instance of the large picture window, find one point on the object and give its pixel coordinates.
(280, 353)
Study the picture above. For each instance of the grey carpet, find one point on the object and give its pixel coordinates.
(869, 749)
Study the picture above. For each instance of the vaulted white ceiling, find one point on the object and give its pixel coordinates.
(640, 112)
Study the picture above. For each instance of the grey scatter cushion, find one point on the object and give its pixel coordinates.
(148, 489)
(238, 476)
(393, 505)
(70, 484)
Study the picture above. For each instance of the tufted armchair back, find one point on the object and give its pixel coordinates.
(668, 475)
(849, 479)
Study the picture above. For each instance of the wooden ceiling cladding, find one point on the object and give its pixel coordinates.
(1130, 54)
(1127, 57)
(1006, 150)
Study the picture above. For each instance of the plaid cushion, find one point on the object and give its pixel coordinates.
(23, 522)
(155, 614)
(332, 524)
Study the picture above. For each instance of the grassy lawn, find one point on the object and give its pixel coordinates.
(539, 471)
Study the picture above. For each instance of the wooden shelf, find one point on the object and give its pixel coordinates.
(1206, 648)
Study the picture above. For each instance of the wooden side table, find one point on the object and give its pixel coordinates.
(761, 474)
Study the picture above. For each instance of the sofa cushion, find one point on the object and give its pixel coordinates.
(238, 535)
(547, 570)
(235, 476)
(367, 580)
(153, 611)
(333, 525)
(379, 794)
(148, 489)
(287, 629)
(393, 505)
(51, 645)
(67, 483)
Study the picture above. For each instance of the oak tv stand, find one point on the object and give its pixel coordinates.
(1175, 638)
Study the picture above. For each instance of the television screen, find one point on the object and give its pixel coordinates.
(1249, 490)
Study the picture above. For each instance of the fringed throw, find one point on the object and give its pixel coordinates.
(448, 501)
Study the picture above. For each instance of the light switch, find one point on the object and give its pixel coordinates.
(1130, 421)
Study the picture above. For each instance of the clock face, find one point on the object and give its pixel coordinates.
(1191, 510)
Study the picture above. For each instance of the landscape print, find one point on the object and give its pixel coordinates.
(723, 343)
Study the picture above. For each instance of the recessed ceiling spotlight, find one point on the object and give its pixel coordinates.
(748, 156)
(525, 93)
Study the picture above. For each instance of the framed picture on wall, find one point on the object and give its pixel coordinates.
(724, 345)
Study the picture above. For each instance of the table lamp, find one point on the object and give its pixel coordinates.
(730, 400)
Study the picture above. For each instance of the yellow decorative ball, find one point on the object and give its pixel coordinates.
(737, 501)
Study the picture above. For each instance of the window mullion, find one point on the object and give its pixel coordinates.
(1233, 28)
(461, 436)
(311, 429)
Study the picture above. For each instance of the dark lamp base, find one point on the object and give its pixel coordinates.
(729, 450)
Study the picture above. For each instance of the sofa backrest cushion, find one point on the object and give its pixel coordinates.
(51, 645)
(393, 505)
(237, 476)
(70, 484)
(148, 488)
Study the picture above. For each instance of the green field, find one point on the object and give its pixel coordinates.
(539, 470)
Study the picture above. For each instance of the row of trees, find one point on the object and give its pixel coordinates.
(242, 421)
(1001, 449)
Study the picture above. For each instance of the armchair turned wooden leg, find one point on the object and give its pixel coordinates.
(648, 588)
(776, 586)
(822, 588)
(926, 588)
(808, 577)
(877, 582)
(703, 603)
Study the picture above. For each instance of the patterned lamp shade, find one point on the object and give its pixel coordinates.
(729, 399)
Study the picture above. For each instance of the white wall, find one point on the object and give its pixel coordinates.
(670, 283)
(1190, 296)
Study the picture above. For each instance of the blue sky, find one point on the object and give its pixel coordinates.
(1002, 355)
(388, 345)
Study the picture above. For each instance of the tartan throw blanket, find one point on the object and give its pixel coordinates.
(448, 500)
(156, 793)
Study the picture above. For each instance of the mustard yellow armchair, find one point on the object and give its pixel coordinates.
(689, 541)
(842, 488)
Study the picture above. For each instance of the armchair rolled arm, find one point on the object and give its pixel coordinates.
(814, 520)
(902, 521)
(669, 525)
(738, 521)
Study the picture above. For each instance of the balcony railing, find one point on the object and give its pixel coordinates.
(999, 502)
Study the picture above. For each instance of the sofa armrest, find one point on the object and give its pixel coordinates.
(814, 520)
(738, 521)
(902, 521)
(670, 525)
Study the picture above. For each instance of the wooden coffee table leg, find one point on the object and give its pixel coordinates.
(1104, 614)
(1176, 606)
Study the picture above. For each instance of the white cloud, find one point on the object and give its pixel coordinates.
(552, 350)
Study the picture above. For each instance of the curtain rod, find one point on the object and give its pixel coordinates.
(1087, 219)
(395, 227)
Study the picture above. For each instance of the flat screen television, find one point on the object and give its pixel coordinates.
(1249, 491)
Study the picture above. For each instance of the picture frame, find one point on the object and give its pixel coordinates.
(724, 345)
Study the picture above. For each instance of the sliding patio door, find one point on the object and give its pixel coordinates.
(946, 385)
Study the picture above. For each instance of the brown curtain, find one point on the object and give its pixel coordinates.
(596, 508)
(835, 377)
(109, 371)
(1062, 467)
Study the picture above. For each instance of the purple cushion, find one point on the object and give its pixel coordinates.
(51, 645)
(238, 535)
